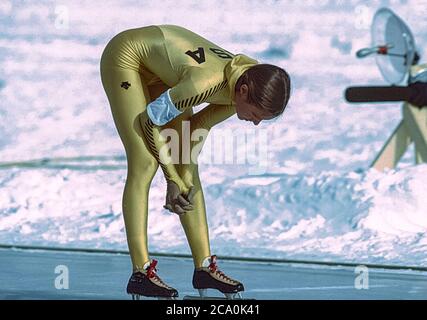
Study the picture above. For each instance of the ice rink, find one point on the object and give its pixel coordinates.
(30, 274)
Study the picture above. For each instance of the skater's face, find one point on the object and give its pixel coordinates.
(247, 111)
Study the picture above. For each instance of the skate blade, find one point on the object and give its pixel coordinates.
(227, 296)
(205, 298)
(139, 297)
(136, 297)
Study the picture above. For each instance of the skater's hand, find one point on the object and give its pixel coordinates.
(176, 201)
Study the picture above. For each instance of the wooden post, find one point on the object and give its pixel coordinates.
(412, 128)
(416, 122)
(393, 149)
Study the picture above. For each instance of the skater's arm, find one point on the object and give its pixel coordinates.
(195, 87)
(203, 121)
(211, 116)
(161, 152)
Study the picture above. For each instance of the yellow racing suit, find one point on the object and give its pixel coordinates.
(153, 76)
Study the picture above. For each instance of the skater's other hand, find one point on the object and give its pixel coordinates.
(177, 202)
(190, 195)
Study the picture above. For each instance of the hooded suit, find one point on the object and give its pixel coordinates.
(153, 76)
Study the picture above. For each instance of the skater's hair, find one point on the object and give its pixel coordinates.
(269, 87)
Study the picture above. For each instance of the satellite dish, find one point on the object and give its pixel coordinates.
(396, 46)
(394, 49)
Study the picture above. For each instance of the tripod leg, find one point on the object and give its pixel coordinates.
(393, 149)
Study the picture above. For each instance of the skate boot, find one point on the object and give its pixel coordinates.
(147, 283)
(210, 277)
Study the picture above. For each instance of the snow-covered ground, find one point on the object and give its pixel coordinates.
(314, 197)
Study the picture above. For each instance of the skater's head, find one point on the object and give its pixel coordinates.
(262, 93)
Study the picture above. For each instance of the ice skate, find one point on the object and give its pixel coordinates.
(147, 283)
(210, 277)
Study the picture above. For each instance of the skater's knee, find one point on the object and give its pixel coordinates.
(143, 171)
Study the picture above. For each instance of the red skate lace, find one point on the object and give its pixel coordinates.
(151, 273)
(213, 267)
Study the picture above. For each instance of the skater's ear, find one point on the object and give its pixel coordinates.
(244, 92)
(267, 86)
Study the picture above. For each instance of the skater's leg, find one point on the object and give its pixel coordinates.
(206, 273)
(195, 223)
(126, 106)
(196, 226)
